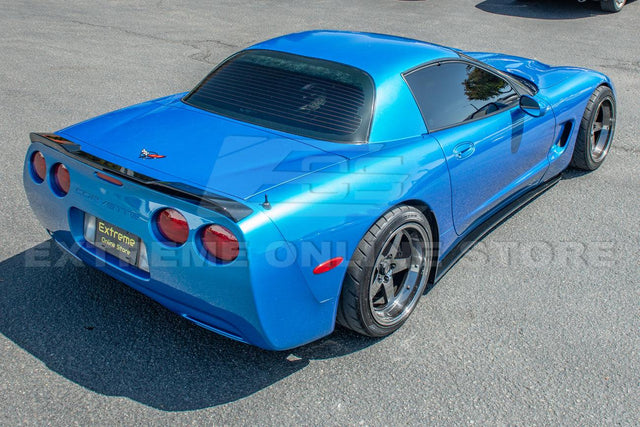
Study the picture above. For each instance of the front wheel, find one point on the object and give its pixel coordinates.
(612, 5)
(387, 274)
(596, 130)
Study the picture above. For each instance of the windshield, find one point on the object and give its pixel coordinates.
(303, 96)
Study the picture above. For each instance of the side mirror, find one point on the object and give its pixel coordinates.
(530, 106)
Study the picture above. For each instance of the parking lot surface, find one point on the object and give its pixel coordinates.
(539, 324)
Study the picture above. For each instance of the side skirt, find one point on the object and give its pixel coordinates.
(468, 240)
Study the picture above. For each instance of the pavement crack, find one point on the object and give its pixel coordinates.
(120, 29)
(205, 48)
(633, 66)
(625, 149)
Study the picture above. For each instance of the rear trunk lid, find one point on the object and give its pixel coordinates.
(188, 145)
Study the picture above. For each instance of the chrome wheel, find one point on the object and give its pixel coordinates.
(596, 130)
(388, 273)
(400, 274)
(601, 130)
(612, 5)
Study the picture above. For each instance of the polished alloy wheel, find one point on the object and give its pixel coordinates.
(595, 133)
(612, 5)
(601, 128)
(400, 273)
(388, 273)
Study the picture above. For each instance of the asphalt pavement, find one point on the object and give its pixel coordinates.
(538, 325)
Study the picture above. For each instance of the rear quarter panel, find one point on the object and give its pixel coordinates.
(326, 214)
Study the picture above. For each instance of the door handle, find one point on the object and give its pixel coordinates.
(464, 150)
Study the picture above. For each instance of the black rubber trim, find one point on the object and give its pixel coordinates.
(463, 59)
(233, 210)
(484, 227)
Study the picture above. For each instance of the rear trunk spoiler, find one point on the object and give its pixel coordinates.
(230, 208)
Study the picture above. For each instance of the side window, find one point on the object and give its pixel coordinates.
(455, 92)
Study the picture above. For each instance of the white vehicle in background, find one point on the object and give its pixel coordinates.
(610, 5)
(606, 5)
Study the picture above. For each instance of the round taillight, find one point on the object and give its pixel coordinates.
(220, 242)
(61, 179)
(172, 226)
(38, 167)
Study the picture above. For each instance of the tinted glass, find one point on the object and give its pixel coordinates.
(455, 92)
(299, 95)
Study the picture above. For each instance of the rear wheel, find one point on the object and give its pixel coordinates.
(612, 5)
(387, 274)
(596, 130)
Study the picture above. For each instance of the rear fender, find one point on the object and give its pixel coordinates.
(325, 215)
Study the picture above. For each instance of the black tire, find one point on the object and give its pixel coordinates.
(612, 5)
(596, 130)
(392, 243)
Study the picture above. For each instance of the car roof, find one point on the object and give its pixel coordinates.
(382, 56)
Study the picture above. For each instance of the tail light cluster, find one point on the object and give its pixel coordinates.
(38, 166)
(172, 226)
(220, 242)
(60, 179)
(217, 241)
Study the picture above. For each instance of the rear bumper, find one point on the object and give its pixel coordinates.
(250, 299)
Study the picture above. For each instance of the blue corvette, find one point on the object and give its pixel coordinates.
(315, 178)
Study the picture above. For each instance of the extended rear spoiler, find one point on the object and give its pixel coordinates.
(232, 209)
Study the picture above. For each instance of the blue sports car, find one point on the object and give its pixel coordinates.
(315, 178)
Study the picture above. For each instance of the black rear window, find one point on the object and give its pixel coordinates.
(303, 96)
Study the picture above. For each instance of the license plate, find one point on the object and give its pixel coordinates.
(116, 241)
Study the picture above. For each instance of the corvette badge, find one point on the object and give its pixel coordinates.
(144, 154)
